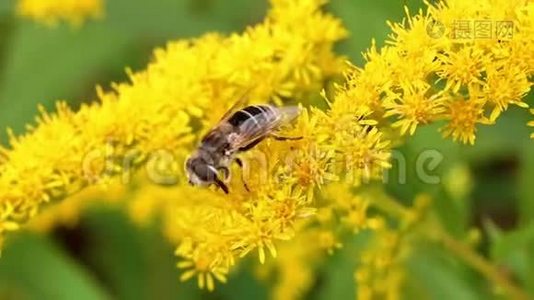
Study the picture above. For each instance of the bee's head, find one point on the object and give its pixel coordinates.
(199, 171)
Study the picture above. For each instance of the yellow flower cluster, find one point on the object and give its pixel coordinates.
(381, 274)
(212, 234)
(340, 213)
(461, 62)
(381, 271)
(303, 192)
(149, 122)
(293, 272)
(50, 12)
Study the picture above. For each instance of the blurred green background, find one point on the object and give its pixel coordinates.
(105, 256)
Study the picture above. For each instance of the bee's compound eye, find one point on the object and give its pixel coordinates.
(193, 170)
(206, 172)
(201, 173)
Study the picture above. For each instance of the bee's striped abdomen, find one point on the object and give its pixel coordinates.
(260, 113)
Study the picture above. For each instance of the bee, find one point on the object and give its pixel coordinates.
(237, 131)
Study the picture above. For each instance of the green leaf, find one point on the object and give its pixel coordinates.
(336, 280)
(526, 171)
(33, 267)
(7, 7)
(513, 249)
(242, 284)
(137, 263)
(526, 205)
(130, 263)
(432, 274)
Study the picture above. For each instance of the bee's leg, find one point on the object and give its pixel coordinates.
(222, 185)
(251, 145)
(285, 138)
(239, 162)
(225, 172)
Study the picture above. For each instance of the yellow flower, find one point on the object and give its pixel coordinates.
(350, 208)
(205, 266)
(411, 36)
(531, 123)
(411, 57)
(414, 106)
(50, 12)
(463, 116)
(505, 85)
(360, 150)
(5, 223)
(425, 65)
(462, 68)
(306, 161)
(294, 269)
(522, 43)
(380, 273)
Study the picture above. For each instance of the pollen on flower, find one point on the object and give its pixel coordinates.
(312, 168)
(359, 149)
(505, 86)
(463, 116)
(6, 225)
(413, 106)
(411, 35)
(259, 235)
(419, 71)
(205, 268)
(289, 207)
(50, 12)
(461, 68)
(366, 154)
(350, 208)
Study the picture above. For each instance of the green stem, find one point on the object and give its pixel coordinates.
(384, 202)
(483, 266)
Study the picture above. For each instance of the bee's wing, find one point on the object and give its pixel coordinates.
(235, 107)
(260, 125)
